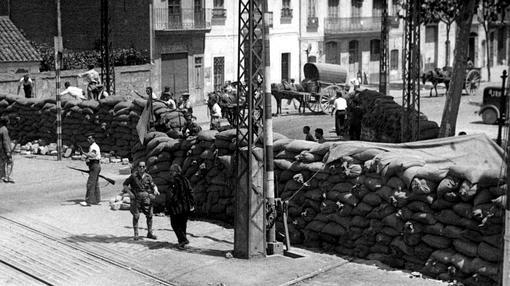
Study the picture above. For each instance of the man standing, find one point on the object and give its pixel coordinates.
(93, 80)
(93, 158)
(185, 104)
(339, 105)
(179, 203)
(167, 97)
(142, 191)
(73, 91)
(6, 162)
(27, 84)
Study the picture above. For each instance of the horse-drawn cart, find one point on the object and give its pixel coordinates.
(317, 91)
(436, 76)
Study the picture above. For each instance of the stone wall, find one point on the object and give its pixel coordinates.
(127, 80)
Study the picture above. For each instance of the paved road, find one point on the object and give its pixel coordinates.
(291, 123)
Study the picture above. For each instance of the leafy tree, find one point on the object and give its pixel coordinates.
(446, 11)
(490, 11)
(454, 93)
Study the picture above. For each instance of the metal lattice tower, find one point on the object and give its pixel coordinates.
(107, 60)
(383, 61)
(411, 73)
(249, 116)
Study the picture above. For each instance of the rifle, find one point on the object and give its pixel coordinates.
(111, 181)
(18, 142)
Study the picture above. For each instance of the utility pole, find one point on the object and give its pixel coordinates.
(273, 247)
(502, 109)
(383, 61)
(107, 67)
(250, 211)
(410, 124)
(58, 63)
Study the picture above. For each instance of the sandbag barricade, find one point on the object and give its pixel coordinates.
(113, 121)
(381, 120)
(374, 202)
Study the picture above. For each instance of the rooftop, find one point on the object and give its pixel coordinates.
(14, 47)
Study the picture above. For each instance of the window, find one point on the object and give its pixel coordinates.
(219, 13)
(174, 7)
(394, 60)
(333, 8)
(198, 6)
(356, 8)
(311, 9)
(219, 72)
(313, 22)
(431, 34)
(286, 14)
(218, 4)
(199, 71)
(377, 7)
(375, 49)
(353, 51)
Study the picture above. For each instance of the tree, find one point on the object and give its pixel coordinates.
(486, 14)
(454, 93)
(446, 11)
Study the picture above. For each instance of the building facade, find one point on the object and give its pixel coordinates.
(178, 44)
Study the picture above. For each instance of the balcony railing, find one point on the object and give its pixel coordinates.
(182, 20)
(355, 25)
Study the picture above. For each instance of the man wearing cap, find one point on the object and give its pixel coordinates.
(185, 104)
(92, 158)
(142, 191)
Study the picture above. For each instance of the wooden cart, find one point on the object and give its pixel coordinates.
(322, 83)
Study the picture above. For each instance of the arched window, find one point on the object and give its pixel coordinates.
(353, 51)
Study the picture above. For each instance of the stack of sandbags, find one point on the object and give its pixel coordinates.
(381, 120)
(395, 208)
(113, 121)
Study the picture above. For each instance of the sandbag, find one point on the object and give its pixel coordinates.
(297, 146)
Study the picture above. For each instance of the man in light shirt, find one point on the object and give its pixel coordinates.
(92, 158)
(93, 80)
(340, 105)
(73, 91)
(215, 114)
(27, 84)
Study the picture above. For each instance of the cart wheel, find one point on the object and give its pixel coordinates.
(489, 116)
(472, 81)
(329, 96)
(314, 103)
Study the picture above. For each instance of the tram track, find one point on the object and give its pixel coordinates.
(59, 259)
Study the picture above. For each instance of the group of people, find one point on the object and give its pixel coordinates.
(319, 134)
(142, 191)
(95, 90)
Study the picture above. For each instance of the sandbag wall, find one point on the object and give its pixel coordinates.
(376, 205)
(382, 119)
(113, 120)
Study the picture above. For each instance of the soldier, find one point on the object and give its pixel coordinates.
(142, 191)
(179, 203)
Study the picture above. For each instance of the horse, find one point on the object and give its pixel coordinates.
(436, 77)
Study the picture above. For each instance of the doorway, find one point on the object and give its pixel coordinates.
(174, 72)
(285, 66)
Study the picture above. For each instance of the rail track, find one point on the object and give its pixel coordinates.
(32, 256)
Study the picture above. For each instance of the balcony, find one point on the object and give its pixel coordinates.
(334, 26)
(182, 20)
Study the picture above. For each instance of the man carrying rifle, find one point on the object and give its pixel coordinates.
(142, 191)
(92, 158)
(6, 162)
